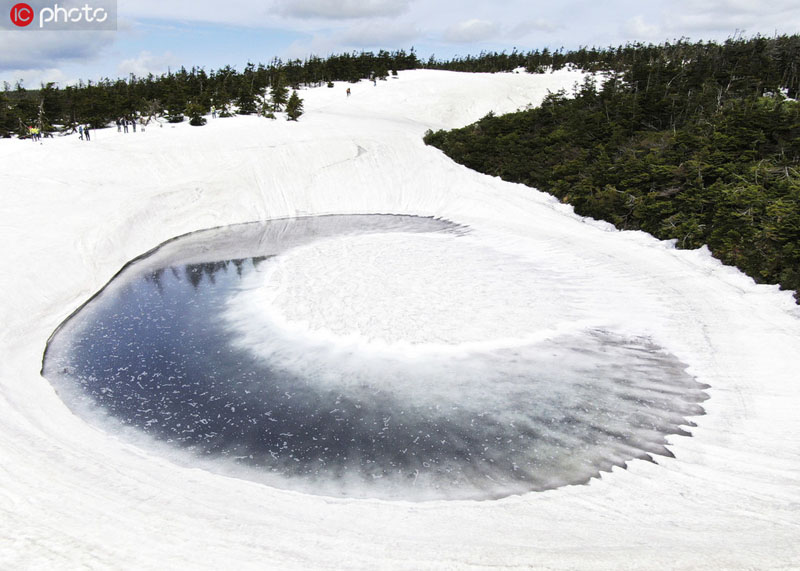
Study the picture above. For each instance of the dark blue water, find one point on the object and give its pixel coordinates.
(153, 358)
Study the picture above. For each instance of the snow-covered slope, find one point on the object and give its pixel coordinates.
(74, 212)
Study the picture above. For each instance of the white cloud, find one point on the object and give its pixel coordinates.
(33, 78)
(47, 50)
(146, 63)
(471, 31)
(715, 19)
(536, 25)
(384, 34)
(361, 36)
(263, 14)
(237, 12)
(340, 9)
(319, 45)
(151, 27)
(576, 21)
(637, 29)
(708, 20)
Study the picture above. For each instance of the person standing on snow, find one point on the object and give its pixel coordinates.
(86, 132)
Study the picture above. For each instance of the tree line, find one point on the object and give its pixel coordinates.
(191, 93)
(263, 88)
(699, 143)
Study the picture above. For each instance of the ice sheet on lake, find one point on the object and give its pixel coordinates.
(186, 354)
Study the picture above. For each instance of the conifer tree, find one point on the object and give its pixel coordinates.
(7, 122)
(278, 93)
(195, 113)
(294, 107)
(246, 102)
(175, 108)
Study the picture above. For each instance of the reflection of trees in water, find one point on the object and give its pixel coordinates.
(194, 273)
(155, 277)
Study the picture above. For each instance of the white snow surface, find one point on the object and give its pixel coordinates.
(73, 212)
(397, 290)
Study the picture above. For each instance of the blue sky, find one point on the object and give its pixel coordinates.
(154, 35)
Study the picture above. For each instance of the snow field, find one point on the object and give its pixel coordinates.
(75, 212)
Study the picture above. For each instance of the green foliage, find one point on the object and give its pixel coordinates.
(682, 148)
(176, 105)
(279, 93)
(195, 111)
(246, 103)
(294, 107)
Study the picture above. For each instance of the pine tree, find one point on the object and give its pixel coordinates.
(195, 113)
(6, 118)
(278, 93)
(294, 108)
(246, 102)
(175, 108)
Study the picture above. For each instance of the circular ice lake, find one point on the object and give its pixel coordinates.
(314, 354)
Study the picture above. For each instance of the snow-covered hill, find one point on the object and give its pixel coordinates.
(74, 212)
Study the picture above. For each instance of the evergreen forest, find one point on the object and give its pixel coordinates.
(694, 142)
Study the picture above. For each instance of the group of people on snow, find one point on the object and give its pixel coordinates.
(124, 122)
(35, 133)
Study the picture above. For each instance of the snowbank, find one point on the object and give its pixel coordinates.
(74, 212)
